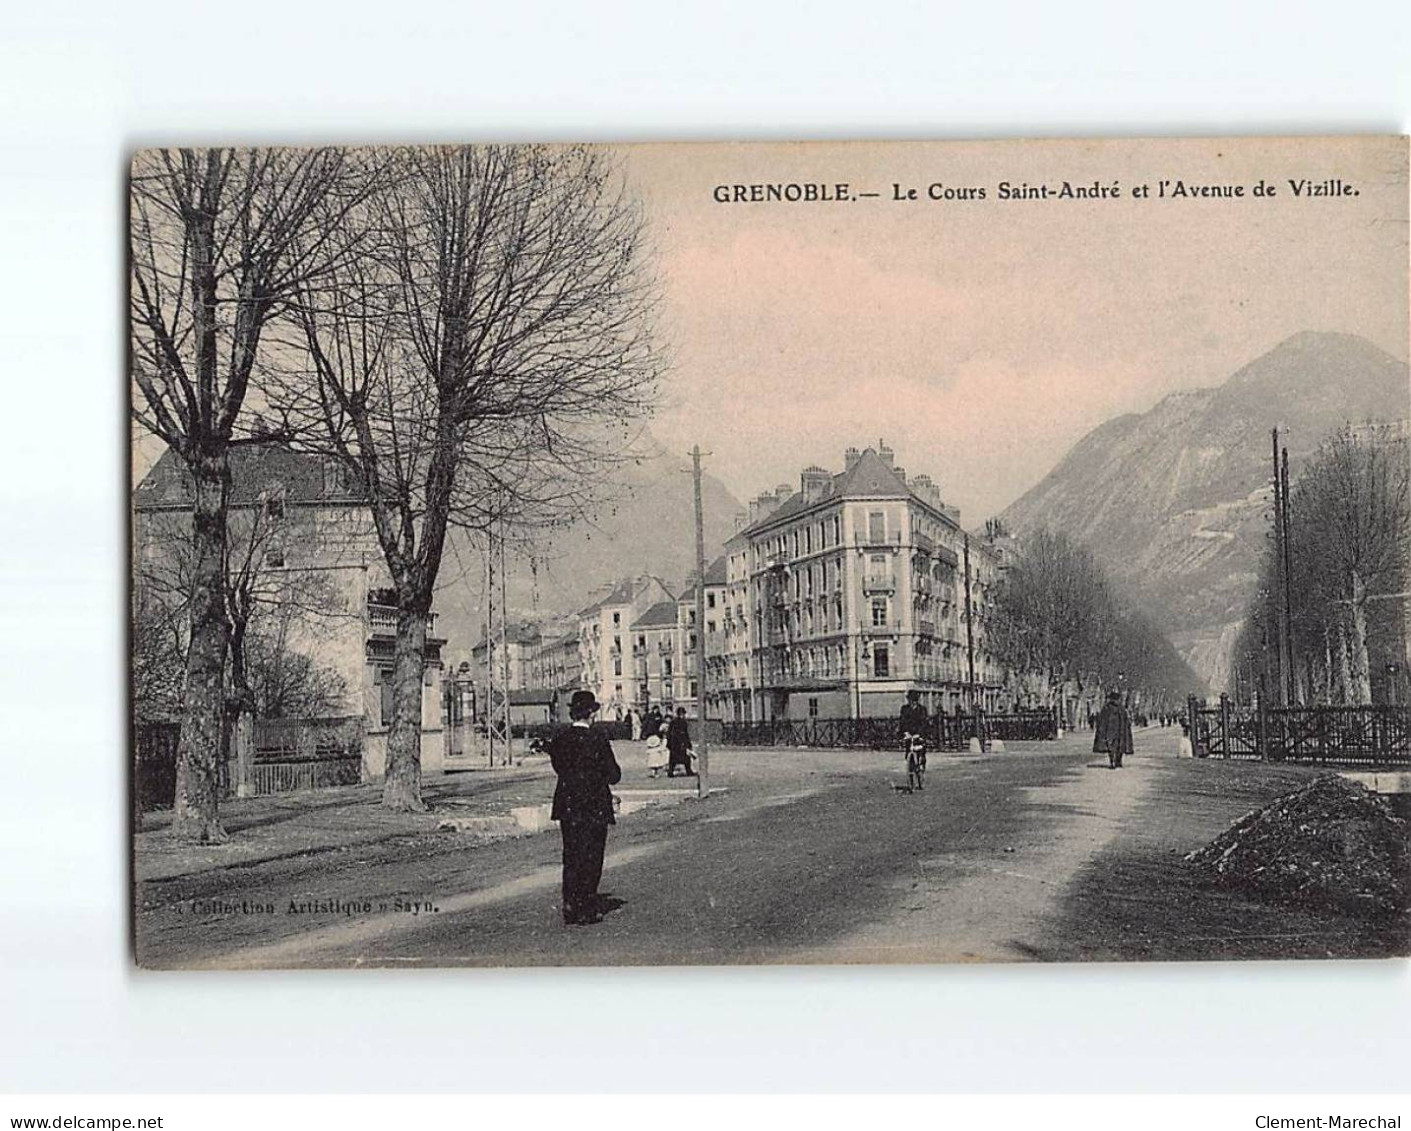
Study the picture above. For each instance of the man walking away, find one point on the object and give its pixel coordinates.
(583, 760)
(678, 744)
(1112, 733)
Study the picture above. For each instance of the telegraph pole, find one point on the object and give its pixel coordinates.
(489, 705)
(1280, 582)
(969, 625)
(505, 651)
(703, 749)
(1288, 577)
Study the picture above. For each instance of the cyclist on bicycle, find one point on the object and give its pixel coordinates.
(914, 722)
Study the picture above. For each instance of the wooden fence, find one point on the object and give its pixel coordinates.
(1336, 736)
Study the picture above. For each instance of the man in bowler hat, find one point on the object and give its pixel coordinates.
(583, 760)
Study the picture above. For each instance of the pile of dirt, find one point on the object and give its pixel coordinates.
(1332, 843)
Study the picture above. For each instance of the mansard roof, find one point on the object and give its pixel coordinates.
(255, 468)
(660, 615)
(868, 478)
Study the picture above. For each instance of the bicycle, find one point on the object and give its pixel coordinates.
(915, 761)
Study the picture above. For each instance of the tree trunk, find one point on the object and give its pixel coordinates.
(1361, 662)
(401, 790)
(1344, 668)
(196, 814)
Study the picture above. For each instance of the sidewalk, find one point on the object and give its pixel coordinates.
(477, 804)
(297, 824)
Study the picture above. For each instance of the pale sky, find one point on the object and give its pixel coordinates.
(982, 339)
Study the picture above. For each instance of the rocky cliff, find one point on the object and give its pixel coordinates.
(1175, 501)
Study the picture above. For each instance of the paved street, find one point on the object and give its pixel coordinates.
(802, 856)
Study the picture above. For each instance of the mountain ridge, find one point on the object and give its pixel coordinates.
(1172, 500)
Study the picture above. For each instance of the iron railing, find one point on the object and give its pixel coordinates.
(1337, 736)
(947, 732)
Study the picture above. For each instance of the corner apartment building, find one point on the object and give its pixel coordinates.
(840, 597)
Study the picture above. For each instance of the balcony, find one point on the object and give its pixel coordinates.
(879, 583)
(382, 620)
(924, 543)
(864, 537)
(926, 627)
(869, 629)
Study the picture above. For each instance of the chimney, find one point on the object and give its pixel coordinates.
(850, 458)
(885, 453)
(813, 482)
(923, 486)
(765, 504)
(782, 492)
(901, 473)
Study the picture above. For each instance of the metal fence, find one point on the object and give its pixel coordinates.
(1339, 736)
(948, 732)
(289, 754)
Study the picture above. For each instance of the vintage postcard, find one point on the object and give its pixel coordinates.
(770, 553)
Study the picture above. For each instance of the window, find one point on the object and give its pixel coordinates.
(693, 689)
(274, 507)
(838, 530)
(881, 661)
(274, 557)
(876, 527)
(879, 612)
(616, 618)
(813, 707)
(808, 540)
(617, 665)
(710, 600)
(710, 627)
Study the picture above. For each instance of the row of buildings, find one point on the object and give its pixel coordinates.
(833, 600)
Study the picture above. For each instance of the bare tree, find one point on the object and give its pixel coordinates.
(1349, 528)
(480, 368)
(274, 618)
(219, 241)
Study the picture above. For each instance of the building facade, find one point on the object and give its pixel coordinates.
(605, 641)
(301, 524)
(837, 599)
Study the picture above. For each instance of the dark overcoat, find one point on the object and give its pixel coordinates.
(678, 736)
(583, 760)
(1112, 732)
(913, 718)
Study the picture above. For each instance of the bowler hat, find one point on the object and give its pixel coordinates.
(583, 704)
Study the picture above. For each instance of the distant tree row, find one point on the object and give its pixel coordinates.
(1058, 620)
(1349, 548)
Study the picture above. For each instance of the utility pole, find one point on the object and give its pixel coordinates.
(969, 626)
(1288, 576)
(703, 749)
(1279, 582)
(505, 651)
(489, 699)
